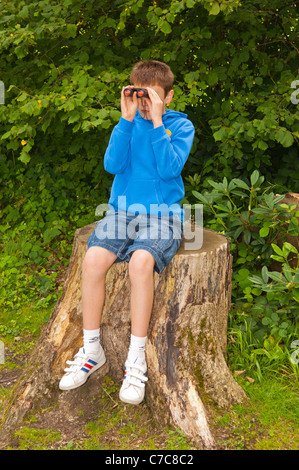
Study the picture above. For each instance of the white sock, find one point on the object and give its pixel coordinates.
(91, 341)
(137, 348)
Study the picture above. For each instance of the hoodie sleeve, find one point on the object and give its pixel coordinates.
(117, 154)
(172, 152)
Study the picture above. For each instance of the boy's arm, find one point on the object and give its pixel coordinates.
(117, 154)
(172, 152)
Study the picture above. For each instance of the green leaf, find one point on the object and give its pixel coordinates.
(22, 96)
(278, 277)
(74, 116)
(264, 232)
(265, 274)
(238, 232)
(6, 135)
(240, 183)
(277, 258)
(284, 137)
(20, 52)
(200, 197)
(269, 200)
(288, 248)
(257, 291)
(282, 333)
(277, 249)
(24, 12)
(254, 177)
(247, 236)
(274, 317)
(215, 9)
(221, 207)
(190, 3)
(255, 279)
(239, 193)
(69, 105)
(212, 78)
(115, 114)
(24, 157)
(165, 27)
(71, 29)
(216, 185)
(50, 233)
(218, 135)
(243, 273)
(287, 271)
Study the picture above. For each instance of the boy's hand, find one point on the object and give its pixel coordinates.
(156, 107)
(128, 105)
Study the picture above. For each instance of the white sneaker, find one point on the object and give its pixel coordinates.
(81, 368)
(133, 387)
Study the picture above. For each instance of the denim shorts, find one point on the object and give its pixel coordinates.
(124, 232)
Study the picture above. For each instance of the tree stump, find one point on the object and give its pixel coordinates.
(187, 370)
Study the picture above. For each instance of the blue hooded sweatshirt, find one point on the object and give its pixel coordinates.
(147, 163)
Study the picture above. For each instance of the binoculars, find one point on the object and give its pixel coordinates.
(141, 92)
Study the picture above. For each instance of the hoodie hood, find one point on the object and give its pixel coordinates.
(170, 114)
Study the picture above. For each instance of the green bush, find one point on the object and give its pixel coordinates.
(255, 220)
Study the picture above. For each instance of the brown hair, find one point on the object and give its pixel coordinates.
(152, 72)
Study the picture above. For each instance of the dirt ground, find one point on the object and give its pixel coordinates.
(94, 417)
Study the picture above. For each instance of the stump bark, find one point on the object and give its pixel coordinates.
(186, 347)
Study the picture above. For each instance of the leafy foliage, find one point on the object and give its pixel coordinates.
(250, 215)
(63, 65)
(256, 221)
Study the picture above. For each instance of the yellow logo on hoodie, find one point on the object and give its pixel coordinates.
(168, 132)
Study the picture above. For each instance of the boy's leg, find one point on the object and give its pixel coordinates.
(91, 357)
(96, 263)
(141, 268)
(141, 273)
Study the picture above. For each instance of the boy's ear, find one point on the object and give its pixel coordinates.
(169, 97)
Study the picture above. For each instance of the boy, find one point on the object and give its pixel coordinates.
(147, 152)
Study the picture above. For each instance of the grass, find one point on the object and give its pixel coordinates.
(269, 421)
(19, 330)
(36, 439)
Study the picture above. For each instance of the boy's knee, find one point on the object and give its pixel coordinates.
(141, 262)
(98, 259)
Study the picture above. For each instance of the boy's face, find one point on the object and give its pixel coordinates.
(143, 106)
